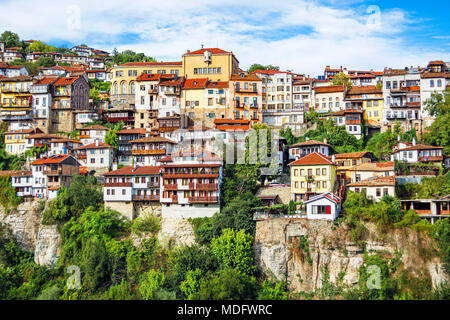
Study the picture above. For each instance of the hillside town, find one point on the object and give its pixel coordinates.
(166, 119)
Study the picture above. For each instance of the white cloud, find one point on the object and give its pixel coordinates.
(348, 37)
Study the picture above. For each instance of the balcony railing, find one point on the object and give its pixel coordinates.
(249, 90)
(118, 184)
(154, 184)
(14, 105)
(173, 199)
(172, 92)
(203, 199)
(171, 186)
(150, 152)
(67, 171)
(146, 197)
(201, 186)
(396, 116)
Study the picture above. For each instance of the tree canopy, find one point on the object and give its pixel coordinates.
(258, 66)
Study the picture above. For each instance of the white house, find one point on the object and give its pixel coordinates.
(302, 149)
(375, 188)
(418, 153)
(326, 206)
(99, 156)
(23, 182)
(93, 133)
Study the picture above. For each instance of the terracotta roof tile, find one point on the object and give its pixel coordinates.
(101, 145)
(309, 143)
(153, 139)
(373, 182)
(199, 83)
(352, 155)
(51, 160)
(312, 159)
(132, 171)
(329, 89)
(202, 51)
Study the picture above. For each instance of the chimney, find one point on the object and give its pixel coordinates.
(333, 158)
(398, 138)
(414, 141)
(96, 142)
(325, 140)
(114, 166)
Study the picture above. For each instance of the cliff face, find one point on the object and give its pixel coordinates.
(278, 252)
(26, 227)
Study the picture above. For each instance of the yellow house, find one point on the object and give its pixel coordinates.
(16, 99)
(371, 100)
(16, 141)
(311, 175)
(213, 63)
(193, 98)
(124, 78)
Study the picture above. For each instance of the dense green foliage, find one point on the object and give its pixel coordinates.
(258, 66)
(431, 187)
(341, 79)
(8, 196)
(129, 56)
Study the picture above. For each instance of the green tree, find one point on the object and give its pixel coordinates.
(191, 285)
(10, 39)
(39, 46)
(151, 282)
(258, 66)
(47, 62)
(341, 79)
(234, 250)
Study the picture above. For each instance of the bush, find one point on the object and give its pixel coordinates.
(146, 224)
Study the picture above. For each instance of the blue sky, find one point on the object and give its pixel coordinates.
(300, 35)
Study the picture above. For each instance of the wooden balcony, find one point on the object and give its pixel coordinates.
(170, 186)
(154, 184)
(173, 199)
(150, 152)
(211, 187)
(117, 184)
(203, 199)
(146, 197)
(64, 171)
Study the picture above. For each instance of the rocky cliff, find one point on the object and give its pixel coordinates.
(25, 225)
(278, 252)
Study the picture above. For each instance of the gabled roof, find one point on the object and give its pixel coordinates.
(95, 127)
(150, 64)
(199, 83)
(247, 77)
(16, 79)
(420, 147)
(132, 131)
(329, 195)
(268, 72)
(375, 181)
(217, 84)
(329, 89)
(312, 159)
(134, 171)
(352, 155)
(375, 166)
(65, 81)
(101, 145)
(153, 139)
(52, 160)
(202, 51)
(45, 81)
(15, 173)
(149, 77)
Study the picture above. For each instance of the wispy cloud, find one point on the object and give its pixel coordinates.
(302, 35)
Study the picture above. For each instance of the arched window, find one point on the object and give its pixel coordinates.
(132, 86)
(115, 88)
(124, 88)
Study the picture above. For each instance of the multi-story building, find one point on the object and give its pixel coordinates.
(39, 140)
(70, 94)
(133, 191)
(278, 109)
(146, 151)
(214, 63)
(63, 146)
(375, 188)
(311, 175)
(370, 170)
(21, 181)
(16, 102)
(245, 98)
(347, 161)
(42, 92)
(370, 99)
(124, 139)
(93, 133)
(98, 156)
(299, 150)
(329, 98)
(146, 100)
(169, 96)
(50, 174)
(418, 153)
(350, 117)
(12, 71)
(16, 141)
(402, 98)
(435, 79)
(190, 186)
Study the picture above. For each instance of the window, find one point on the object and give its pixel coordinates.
(321, 209)
(295, 172)
(439, 83)
(317, 172)
(385, 191)
(296, 184)
(324, 171)
(124, 192)
(324, 184)
(378, 192)
(431, 83)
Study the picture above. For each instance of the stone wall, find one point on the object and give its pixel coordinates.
(277, 252)
(175, 230)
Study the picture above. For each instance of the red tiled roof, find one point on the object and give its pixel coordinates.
(352, 155)
(165, 159)
(309, 143)
(65, 140)
(15, 173)
(375, 166)
(372, 182)
(16, 79)
(435, 75)
(329, 89)
(26, 131)
(202, 51)
(268, 72)
(149, 77)
(217, 84)
(173, 82)
(44, 136)
(51, 160)
(368, 89)
(132, 131)
(45, 81)
(101, 145)
(232, 128)
(95, 127)
(199, 83)
(129, 171)
(420, 147)
(436, 63)
(143, 64)
(248, 77)
(65, 81)
(153, 139)
(311, 159)
(231, 121)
